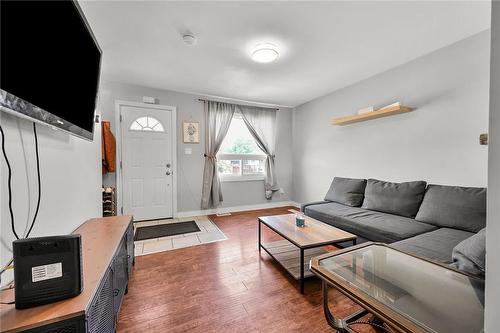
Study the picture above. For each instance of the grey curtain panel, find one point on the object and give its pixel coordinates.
(262, 125)
(218, 117)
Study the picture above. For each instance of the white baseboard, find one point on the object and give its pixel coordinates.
(222, 210)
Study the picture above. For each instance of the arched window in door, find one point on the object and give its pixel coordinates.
(147, 124)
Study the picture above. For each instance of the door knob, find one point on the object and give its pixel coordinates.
(168, 173)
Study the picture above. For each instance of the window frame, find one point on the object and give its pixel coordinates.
(147, 128)
(241, 157)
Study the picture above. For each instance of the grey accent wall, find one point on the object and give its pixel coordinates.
(493, 212)
(190, 167)
(438, 142)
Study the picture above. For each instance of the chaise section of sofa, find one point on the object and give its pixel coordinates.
(458, 212)
(435, 245)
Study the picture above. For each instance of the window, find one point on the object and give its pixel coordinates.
(147, 124)
(239, 157)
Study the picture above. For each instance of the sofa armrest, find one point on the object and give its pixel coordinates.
(303, 206)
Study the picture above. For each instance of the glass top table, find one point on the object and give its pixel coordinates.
(408, 293)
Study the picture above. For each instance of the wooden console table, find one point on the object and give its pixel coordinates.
(108, 255)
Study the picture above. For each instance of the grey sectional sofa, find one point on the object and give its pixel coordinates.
(425, 220)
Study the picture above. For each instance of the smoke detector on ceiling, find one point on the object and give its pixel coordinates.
(189, 39)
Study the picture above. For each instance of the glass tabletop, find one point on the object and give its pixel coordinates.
(434, 297)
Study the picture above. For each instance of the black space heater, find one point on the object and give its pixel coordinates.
(47, 269)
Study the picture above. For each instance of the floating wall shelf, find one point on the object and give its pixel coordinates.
(385, 112)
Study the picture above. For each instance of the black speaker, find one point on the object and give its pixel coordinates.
(47, 269)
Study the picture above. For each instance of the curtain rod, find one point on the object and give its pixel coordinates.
(208, 100)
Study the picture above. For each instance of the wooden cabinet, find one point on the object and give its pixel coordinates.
(120, 276)
(130, 248)
(108, 256)
(100, 317)
(103, 312)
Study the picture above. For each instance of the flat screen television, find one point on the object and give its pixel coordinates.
(50, 64)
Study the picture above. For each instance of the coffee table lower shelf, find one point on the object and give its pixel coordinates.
(288, 256)
(299, 245)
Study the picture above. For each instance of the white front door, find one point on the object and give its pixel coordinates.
(147, 166)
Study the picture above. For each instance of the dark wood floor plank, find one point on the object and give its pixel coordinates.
(225, 287)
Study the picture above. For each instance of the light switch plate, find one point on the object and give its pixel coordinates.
(188, 151)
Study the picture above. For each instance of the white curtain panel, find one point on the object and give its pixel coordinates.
(218, 117)
(261, 123)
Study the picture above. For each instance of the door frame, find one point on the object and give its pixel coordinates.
(119, 175)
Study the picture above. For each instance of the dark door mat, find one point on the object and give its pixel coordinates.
(164, 230)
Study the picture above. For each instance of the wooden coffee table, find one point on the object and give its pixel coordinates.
(308, 240)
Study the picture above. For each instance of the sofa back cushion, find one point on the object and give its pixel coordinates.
(454, 207)
(347, 191)
(402, 199)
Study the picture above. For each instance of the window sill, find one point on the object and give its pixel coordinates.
(241, 179)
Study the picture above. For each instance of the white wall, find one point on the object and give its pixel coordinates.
(70, 178)
(190, 167)
(493, 214)
(437, 142)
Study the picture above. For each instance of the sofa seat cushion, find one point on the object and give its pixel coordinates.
(394, 198)
(454, 207)
(372, 225)
(347, 191)
(436, 245)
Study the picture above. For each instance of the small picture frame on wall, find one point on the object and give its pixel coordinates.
(191, 130)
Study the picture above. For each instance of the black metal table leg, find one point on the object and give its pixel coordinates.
(301, 271)
(335, 323)
(340, 325)
(354, 258)
(259, 236)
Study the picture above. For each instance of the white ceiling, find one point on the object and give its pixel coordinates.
(324, 45)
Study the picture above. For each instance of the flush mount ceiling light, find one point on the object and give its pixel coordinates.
(265, 53)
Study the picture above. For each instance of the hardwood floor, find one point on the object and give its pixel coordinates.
(224, 287)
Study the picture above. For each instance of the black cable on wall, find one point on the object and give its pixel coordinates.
(2, 270)
(9, 184)
(39, 182)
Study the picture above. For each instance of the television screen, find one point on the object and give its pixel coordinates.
(50, 64)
